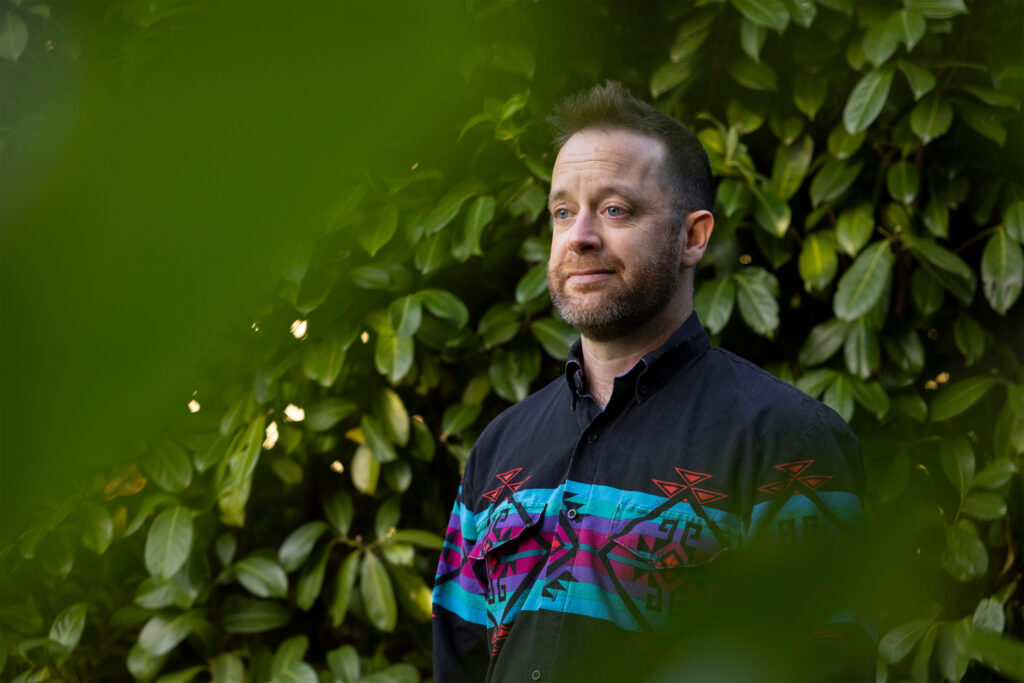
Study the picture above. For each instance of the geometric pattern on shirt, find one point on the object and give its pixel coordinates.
(508, 487)
(795, 471)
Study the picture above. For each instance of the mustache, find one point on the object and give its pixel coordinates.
(577, 264)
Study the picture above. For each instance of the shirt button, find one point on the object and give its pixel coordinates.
(591, 438)
(644, 389)
(571, 514)
(535, 675)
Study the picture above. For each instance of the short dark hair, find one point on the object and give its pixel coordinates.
(685, 171)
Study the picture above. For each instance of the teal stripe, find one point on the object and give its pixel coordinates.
(454, 598)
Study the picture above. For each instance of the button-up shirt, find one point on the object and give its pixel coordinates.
(576, 525)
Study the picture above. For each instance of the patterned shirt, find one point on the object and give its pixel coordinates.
(576, 526)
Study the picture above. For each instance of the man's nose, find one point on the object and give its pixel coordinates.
(584, 234)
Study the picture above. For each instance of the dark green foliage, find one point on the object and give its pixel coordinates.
(870, 216)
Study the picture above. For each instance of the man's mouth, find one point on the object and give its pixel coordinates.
(589, 275)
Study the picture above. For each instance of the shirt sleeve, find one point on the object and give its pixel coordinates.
(460, 603)
(808, 516)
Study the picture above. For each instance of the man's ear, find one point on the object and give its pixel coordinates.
(697, 229)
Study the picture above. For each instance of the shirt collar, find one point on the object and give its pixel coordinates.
(653, 369)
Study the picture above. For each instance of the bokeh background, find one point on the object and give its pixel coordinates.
(269, 268)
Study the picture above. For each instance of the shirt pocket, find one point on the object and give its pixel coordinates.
(511, 550)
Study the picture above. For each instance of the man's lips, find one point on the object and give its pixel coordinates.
(588, 275)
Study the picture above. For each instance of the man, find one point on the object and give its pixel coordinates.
(591, 512)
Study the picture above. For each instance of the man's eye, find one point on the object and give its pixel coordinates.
(615, 211)
(561, 214)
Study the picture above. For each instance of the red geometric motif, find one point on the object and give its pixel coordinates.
(795, 470)
(672, 488)
(498, 636)
(506, 483)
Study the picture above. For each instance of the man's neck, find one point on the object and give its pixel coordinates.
(603, 361)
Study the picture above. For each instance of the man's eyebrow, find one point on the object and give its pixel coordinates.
(623, 191)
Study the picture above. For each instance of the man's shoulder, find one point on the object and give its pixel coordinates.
(750, 388)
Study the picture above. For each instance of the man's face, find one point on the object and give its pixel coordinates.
(615, 256)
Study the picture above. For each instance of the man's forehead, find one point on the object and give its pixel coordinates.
(624, 157)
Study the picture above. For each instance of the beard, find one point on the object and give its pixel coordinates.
(625, 305)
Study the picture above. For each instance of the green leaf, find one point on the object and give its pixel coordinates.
(983, 119)
(923, 656)
(957, 397)
(499, 324)
(818, 263)
(753, 75)
(931, 117)
(964, 557)
(377, 593)
(938, 9)
(910, 26)
(936, 219)
(983, 505)
(814, 382)
(771, 211)
(902, 181)
(756, 291)
(995, 98)
(169, 467)
(183, 676)
(842, 144)
(872, 396)
(1013, 220)
(457, 417)
(913, 407)
(802, 11)
(790, 167)
(234, 473)
(880, 42)
(861, 349)
(809, 91)
(338, 511)
(670, 75)
(957, 458)
(771, 14)
(365, 470)
(413, 594)
(855, 227)
(969, 338)
(514, 58)
(732, 196)
(405, 314)
(393, 416)
(839, 396)
(97, 527)
(995, 474)
(13, 36)
(169, 542)
(375, 237)
(752, 38)
(423, 539)
(370, 277)
(249, 615)
(299, 544)
(920, 80)
(511, 372)
(867, 99)
(1002, 271)
(67, 627)
(943, 265)
(554, 335)
(1001, 653)
(328, 412)
(343, 584)
(432, 252)
(262, 577)
(533, 284)
(227, 668)
(393, 356)
(832, 180)
(951, 655)
(162, 634)
(444, 304)
(864, 282)
(823, 342)
(380, 447)
(478, 216)
(344, 663)
(343, 210)
(897, 643)
(225, 547)
(449, 204)
(714, 302)
(288, 666)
